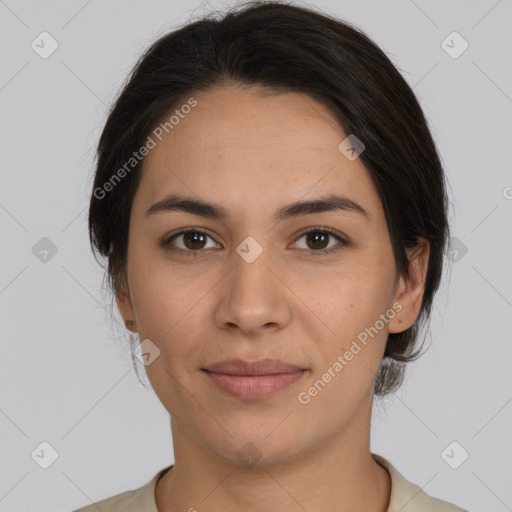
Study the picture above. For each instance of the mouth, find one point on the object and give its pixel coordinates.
(253, 387)
(255, 380)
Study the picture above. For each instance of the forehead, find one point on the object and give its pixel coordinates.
(231, 117)
(245, 145)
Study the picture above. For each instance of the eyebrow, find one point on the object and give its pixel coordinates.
(202, 208)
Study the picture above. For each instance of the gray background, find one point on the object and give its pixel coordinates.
(65, 374)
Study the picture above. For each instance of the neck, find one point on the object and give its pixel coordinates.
(340, 475)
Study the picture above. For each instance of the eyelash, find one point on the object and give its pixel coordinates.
(166, 242)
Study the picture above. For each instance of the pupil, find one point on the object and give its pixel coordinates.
(315, 235)
(194, 236)
(197, 238)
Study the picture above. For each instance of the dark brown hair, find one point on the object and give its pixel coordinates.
(285, 48)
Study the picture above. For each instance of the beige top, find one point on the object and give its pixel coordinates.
(405, 497)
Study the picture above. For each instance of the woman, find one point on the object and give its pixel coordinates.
(274, 214)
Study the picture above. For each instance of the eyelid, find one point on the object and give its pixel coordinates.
(166, 241)
(343, 240)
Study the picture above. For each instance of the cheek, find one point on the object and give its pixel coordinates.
(346, 369)
(159, 297)
(168, 318)
(170, 308)
(351, 300)
(352, 307)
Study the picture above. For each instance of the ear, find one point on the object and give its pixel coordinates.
(409, 290)
(124, 303)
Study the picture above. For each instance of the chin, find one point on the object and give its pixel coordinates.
(256, 448)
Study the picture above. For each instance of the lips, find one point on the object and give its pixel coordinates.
(253, 380)
(261, 367)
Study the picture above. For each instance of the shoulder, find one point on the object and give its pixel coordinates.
(124, 501)
(405, 496)
(409, 497)
(142, 498)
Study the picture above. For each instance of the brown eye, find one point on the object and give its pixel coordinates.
(318, 239)
(192, 240)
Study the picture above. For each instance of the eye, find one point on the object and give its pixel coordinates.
(316, 239)
(194, 240)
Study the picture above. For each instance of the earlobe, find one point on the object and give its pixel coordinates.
(125, 307)
(410, 289)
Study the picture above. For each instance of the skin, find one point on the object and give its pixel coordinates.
(252, 153)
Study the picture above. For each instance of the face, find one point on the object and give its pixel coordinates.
(253, 285)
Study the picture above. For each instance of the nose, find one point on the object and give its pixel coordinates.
(254, 296)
